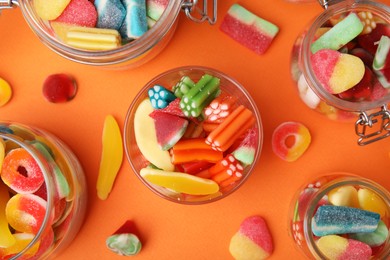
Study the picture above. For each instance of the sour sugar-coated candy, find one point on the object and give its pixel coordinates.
(373, 239)
(246, 150)
(135, 23)
(339, 248)
(337, 72)
(180, 182)
(125, 240)
(21, 172)
(183, 86)
(155, 8)
(252, 241)
(330, 220)
(340, 34)
(5, 92)
(79, 12)
(160, 97)
(280, 138)
(112, 156)
(111, 13)
(49, 9)
(59, 88)
(248, 29)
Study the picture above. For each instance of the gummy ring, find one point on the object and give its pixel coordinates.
(282, 133)
(21, 172)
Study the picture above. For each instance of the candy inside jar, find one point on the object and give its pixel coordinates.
(341, 216)
(341, 66)
(42, 193)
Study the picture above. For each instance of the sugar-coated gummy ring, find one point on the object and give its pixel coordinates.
(302, 139)
(21, 172)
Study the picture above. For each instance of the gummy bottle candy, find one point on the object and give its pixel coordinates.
(332, 66)
(341, 216)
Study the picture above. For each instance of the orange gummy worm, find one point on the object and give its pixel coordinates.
(195, 149)
(231, 128)
(189, 144)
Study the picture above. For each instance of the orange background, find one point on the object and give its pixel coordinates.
(169, 230)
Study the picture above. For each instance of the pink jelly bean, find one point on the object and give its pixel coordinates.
(59, 88)
(79, 12)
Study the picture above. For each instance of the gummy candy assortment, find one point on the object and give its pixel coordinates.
(196, 139)
(348, 220)
(101, 24)
(24, 200)
(349, 58)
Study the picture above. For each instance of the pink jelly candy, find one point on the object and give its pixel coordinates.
(248, 29)
(340, 248)
(59, 88)
(79, 12)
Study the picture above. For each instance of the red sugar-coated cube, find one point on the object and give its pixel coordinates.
(79, 12)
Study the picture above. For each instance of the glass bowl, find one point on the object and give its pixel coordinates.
(169, 79)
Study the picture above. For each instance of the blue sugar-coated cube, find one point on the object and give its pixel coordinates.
(330, 220)
(111, 14)
(135, 23)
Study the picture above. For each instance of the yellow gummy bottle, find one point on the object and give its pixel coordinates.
(112, 156)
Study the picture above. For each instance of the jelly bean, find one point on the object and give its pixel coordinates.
(124, 241)
(5, 92)
(368, 200)
(337, 72)
(21, 172)
(160, 97)
(340, 34)
(248, 29)
(330, 220)
(194, 149)
(6, 238)
(26, 212)
(239, 121)
(280, 140)
(111, 13)
(58, 88)
(112, 156)
(373, 239)
(21, 241)
(337, 248)
(135, 23)
(79, 12)
(344, 196)
(50, 10)
(183, 86)
(180, 182)
(252, 241)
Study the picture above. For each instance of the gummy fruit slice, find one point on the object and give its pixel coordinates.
(59, 88)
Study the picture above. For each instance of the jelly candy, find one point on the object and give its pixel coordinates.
(240, 120)
(146, 137)
(112, 156)
(5, 92)
(6, 238)
(58, 88)
(183, 86)
(111, 13)
(50, 10)
(124, 241)
(79, 12)
(344, 196)
(340, 34)
(368, 200)
(370, 41)
(361, 91)
(160, 97)
(180, 182)
(155, 8)
(194, 149)
(21, 241)
(290, 152)
(330, 220)
(135, 22)
(248, 29)
(252, 241)
(246, 150)
(26, 212)
(220, 108)
(373, 239)
(368, 21)
(21, 172)
(336, 247)
(381, 63)
(307, 94)
(226, 171)
(337, 72)
(172, 108)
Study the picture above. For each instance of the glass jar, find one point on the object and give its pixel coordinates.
(368, 110)
(334, 189)
(130, 55)
(39, 170)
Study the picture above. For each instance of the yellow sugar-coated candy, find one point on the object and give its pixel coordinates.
(180, 182)
(6, 238)
(112, 156)
(344, 196)
(21, 241)
(5, 92)
(49, 9)
(370, 201)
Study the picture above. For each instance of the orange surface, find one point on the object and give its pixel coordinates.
(169, 230)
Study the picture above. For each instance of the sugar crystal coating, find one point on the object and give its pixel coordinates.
(79, 12)
(110, 13)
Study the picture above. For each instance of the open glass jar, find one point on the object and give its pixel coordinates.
(42, 193)
(365, 103)
(340, 191)
(129, 55)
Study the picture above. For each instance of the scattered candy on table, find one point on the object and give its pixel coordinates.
(59, 88)
(125, 241)
(5, 92)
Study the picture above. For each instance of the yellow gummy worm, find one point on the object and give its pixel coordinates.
(112, 156)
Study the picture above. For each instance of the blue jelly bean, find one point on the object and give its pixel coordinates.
(135, 23)
(160, 97)
(111, 14)
(330, 220)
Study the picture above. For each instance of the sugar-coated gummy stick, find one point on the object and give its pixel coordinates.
(220, 108)
(183, 86)
(135, 23)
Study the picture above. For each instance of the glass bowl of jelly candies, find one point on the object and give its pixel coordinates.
(341, 216)
(193, 135)
(42, 193)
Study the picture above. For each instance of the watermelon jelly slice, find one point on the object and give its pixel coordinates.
(248, 29)
(169, 128)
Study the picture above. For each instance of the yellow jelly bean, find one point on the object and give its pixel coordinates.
(5, 92)
(6, 238)
(112, 155)
(370, 201)
(344, 196)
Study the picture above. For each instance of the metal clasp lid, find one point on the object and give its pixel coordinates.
(198, 14)
(380, 120)
(326, 3)
(6, 4)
